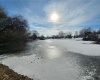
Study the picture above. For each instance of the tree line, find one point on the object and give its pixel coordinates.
(87, 34)
(13, 32)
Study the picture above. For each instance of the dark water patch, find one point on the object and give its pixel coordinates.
(90, 65)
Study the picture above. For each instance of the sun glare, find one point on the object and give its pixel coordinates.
(54, 17)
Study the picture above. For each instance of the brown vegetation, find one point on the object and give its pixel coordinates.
(8, 74)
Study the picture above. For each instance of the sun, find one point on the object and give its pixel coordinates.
(54, 17)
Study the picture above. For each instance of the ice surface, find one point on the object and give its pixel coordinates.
(79, 46)
(55, 60)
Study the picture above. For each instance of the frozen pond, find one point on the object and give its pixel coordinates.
(56, 60)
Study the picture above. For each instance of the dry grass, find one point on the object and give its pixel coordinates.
(8, 74)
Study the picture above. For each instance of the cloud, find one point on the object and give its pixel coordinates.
(72, 13)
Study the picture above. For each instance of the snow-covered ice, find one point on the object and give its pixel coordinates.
(62, 59)
(79, 46)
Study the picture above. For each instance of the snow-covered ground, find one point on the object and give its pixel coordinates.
(56, 60)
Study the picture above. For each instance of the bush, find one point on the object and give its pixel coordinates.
(13, 33)
(97, 41)
(42, 38)
(86, 39)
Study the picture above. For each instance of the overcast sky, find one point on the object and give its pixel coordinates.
(73, 14)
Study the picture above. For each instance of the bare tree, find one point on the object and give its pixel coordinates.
(61, 34)
(76, 33)
(13, 32)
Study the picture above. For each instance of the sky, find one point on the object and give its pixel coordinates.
(72, 15)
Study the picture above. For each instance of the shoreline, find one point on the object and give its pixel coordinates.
(8, 74)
